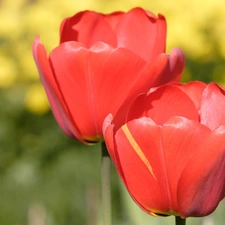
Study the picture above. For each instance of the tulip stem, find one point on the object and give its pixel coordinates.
(106, 186)
(180, 221)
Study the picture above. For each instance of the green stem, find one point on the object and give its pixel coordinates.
(180, 221)
(106, 186)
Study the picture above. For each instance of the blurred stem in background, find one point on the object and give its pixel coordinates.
(106, 186)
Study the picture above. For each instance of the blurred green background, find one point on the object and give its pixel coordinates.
(47, 178)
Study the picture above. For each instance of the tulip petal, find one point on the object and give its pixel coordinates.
(149, 30)
(194, 90)
(176, 62)
(212, 110)
(138, 145)
(87, 27)
(202, 183)
(181, 139)
(162, 166)
(167, 149)
(59, 109)
(113, 18)
(155, 74)
(163, 69)
(92, 81)
(162, 104)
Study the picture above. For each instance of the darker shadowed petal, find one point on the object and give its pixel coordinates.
(87, 27)
(162, 104)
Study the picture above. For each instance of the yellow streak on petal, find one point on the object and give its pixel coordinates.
(137, 149)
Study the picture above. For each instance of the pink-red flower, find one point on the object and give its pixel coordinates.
(101, 64)
(170, 151)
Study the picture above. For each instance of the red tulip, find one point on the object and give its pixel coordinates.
(170, 153)
(101, 64)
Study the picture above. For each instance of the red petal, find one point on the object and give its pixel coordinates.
(142, 33)
(113, 18)
(151, 161)
(54, 96)
(212, 112)
(176, 62)
(162, 104)
(92, 82)
(194, 90)
(165, 68)
(181, 138)
(109, 137)
(87, 27)
(179, 167)
(202, 184)
(156, 73)
(138, 147)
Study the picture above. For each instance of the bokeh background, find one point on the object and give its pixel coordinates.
(47, 178)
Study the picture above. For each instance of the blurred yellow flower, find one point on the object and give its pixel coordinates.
(36, 100)
(7, 72)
